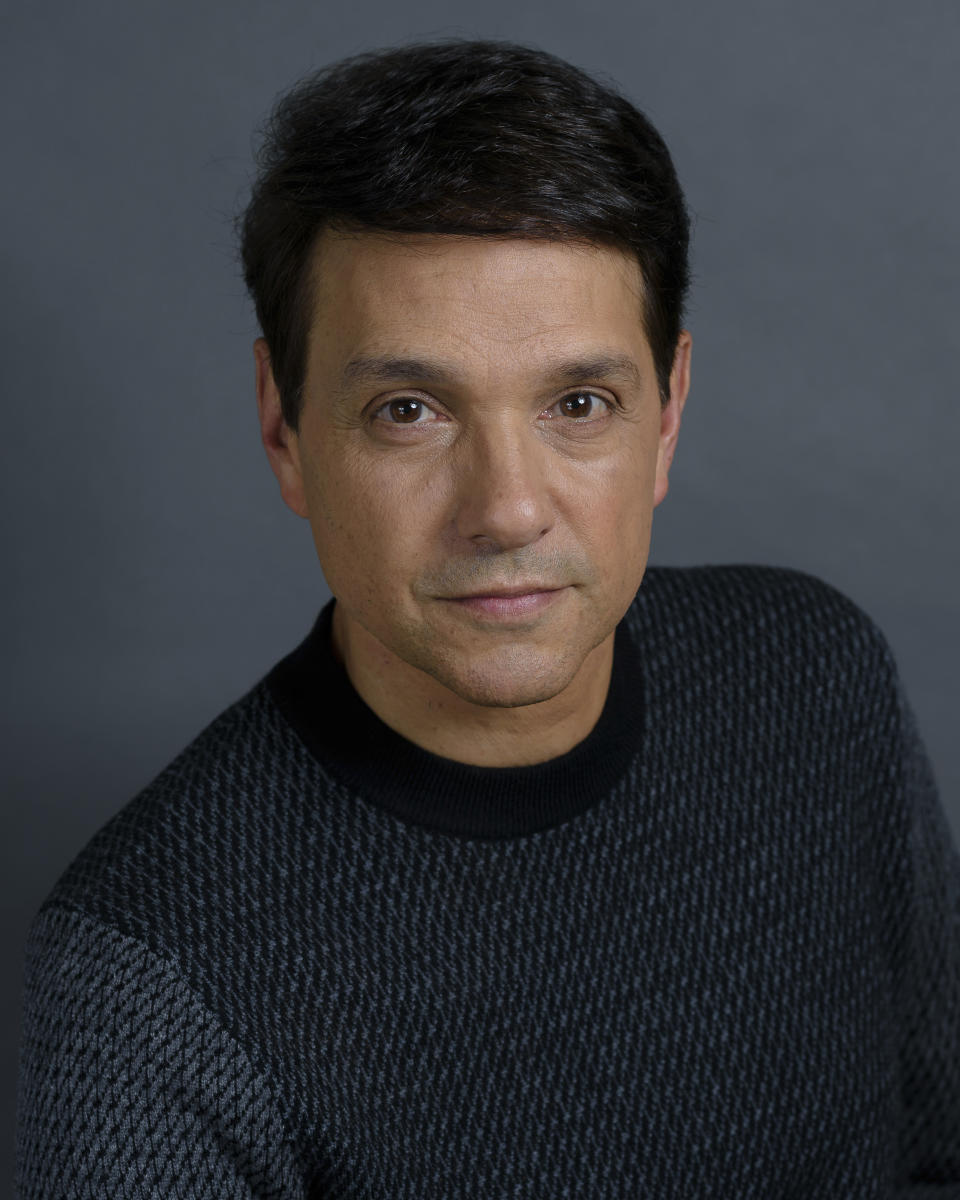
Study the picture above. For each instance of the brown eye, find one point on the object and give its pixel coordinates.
(408, 411)
(405, 411)
(583, 404)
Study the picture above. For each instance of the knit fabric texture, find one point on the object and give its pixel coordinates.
(714, 951)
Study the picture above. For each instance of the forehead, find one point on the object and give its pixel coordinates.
(472, 297)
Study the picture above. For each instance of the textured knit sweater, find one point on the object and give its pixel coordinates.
(712, 951)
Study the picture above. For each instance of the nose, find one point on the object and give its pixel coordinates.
(503, 501)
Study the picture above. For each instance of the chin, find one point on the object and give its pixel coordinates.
(511, 680)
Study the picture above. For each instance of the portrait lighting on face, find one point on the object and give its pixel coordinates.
(495, 310)
(480, 417)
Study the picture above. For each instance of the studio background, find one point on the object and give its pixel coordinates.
(153, 574)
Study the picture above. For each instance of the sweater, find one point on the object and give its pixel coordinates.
(711, 951)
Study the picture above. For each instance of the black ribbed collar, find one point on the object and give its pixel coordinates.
(314, 693)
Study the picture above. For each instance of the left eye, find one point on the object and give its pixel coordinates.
(582, 404)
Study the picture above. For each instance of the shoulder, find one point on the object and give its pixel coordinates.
(749, 588)
(752, 597)
(762, 620)
(184, 835)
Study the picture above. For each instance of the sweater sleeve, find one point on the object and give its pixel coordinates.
(929, 987)
(128, 1086)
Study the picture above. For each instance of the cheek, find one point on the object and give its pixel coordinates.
(366, 521)
(616, 504)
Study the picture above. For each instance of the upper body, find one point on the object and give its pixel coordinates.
(711, 951)
(532, 872)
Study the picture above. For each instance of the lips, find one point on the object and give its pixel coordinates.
(507, 593)
(510, 605)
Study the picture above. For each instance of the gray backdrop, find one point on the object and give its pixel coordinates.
(153, 573)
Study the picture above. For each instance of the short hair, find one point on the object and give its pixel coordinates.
(482, 138)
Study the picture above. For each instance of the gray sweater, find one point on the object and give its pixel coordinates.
(713, 951)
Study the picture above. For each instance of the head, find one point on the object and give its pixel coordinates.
(485, 139)
(469, 262)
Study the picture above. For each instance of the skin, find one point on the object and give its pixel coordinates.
(484, 472)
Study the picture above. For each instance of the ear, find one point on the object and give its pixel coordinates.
(279, 440)
(671, 413)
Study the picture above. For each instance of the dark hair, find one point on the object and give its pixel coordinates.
(481, 138)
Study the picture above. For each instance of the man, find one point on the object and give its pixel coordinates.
(530, 872)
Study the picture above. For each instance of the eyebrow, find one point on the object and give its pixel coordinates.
(604, 366)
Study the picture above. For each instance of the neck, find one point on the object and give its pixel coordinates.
(375, 765)
(431, 716)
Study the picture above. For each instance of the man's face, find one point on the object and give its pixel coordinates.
(481, 415)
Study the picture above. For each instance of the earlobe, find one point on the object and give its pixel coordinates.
(672, 413)
(279, 440)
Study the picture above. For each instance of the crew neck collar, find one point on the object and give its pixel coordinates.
(314, 693)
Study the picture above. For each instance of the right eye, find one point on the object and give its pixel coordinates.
(404, 410)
